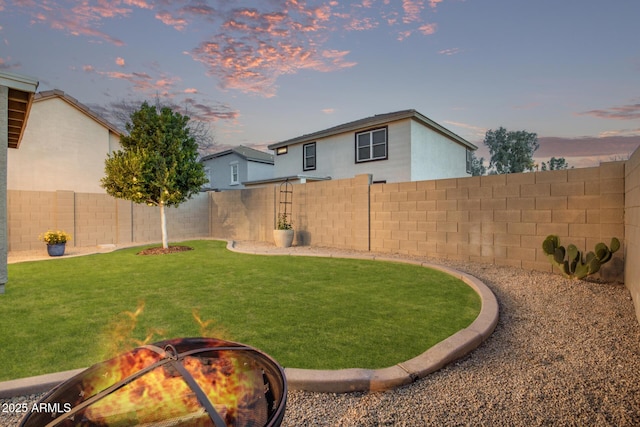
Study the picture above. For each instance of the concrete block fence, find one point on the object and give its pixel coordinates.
(96, 219)
(632, 228)
(499, 219)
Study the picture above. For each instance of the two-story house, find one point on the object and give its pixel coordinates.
(231, 169)
(394, 147)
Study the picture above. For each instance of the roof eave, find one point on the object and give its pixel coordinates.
(20, 96)
(372, 122)
(57, 93)
(287, 178)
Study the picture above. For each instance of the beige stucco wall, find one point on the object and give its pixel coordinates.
(632, 228)
(434, 156)
(62, 149)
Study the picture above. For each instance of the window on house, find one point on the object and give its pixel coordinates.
(309, 156)
(282, 150)
(234, 174)
(209, 174)
(469, 157)
(371, 145)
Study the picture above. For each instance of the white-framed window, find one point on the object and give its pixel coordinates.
(469, 158)
(309, 156)
(234, 174)
(371, 145)
(209, 174)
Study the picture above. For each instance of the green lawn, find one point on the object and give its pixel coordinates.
(306, 312)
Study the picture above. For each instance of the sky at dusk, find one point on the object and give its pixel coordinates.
(266, 71)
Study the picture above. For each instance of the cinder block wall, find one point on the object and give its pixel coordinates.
(29, 214)
(332, 213)
(502, 219)
(94, 219)
(632, 228)
(243, 214)
(499, 219)
(189, 220)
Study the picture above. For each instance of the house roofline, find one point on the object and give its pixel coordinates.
(245, 153)
(18, 81)
(287, 178)
(57, 93)
(20, 94)
(378, 119)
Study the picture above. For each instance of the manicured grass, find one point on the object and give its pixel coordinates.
(316, 313)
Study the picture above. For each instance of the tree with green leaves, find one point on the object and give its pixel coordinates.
(555, 164)
(511, 152)
(477, 165)
(158, 164)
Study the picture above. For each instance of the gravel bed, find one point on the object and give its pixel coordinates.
(564, 353)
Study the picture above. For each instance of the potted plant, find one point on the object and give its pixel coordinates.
(283, 234)
(56, 242)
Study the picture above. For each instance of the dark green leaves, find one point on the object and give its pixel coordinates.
(158, 163)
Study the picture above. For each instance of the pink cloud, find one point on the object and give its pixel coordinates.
(209, 112)
(141, 82)
(258, 46)
(81, 20)
(5, 64)
(412, 10)
(120, 62)
(168, 19)
(361, 24)
(587, 146)
(449, 52)
(191, 90)
(139, 3)
(249, 48)
(620, 132)
(625, 112)
(428, 29)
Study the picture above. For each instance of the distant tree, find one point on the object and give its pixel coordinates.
(511, 152)
(477, 165)
(555, 164)
(158, 164)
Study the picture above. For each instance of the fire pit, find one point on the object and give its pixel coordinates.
(178, 382)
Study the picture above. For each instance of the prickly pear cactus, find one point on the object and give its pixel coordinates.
(575, 266)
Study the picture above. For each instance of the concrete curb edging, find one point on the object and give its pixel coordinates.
(34, 385)
(344, 380)
(452, 348)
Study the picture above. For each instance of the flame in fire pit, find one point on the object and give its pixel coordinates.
(193, 381)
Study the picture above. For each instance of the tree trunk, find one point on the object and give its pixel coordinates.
(163, 225)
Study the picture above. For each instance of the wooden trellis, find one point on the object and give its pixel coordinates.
(285, 200)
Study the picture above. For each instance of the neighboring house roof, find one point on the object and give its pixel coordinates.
(246, 153)
(378, 119)
(20, 97)
(56, 93)
(291, 178)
